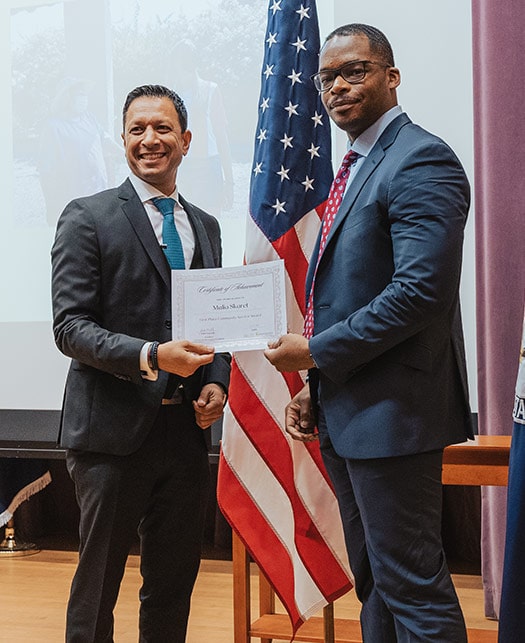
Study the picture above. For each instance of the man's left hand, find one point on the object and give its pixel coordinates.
(290, 353)
(210, 405)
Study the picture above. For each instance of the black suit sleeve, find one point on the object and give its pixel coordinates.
(81, 326)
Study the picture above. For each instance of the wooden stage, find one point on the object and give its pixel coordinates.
(34, 589)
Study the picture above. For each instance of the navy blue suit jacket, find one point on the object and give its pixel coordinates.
(111, 293)
(388, 338)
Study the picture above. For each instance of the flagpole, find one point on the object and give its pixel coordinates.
(328, 623)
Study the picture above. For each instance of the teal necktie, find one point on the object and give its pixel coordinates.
(172, 245)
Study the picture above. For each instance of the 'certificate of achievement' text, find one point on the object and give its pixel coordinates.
(231, 309)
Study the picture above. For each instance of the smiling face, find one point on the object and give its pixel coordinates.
(154, 141)
(354, 107)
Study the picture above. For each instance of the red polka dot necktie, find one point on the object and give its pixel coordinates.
(333, 202)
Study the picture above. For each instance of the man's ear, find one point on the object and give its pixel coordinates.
(394, 77)
(186, 140)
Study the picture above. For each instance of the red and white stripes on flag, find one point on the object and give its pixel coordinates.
(274, 491)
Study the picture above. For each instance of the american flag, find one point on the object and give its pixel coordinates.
(273, 491)
(511, 614)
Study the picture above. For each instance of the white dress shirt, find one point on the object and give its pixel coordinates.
(146, 193)
(364, 143)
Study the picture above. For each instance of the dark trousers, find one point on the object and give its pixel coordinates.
(160, 491)
(391, 512)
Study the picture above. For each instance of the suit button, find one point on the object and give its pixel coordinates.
(167, 323)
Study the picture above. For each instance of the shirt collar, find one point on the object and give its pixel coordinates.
(364, 143)
(146, 191)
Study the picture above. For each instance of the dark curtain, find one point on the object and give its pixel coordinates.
(499, 138)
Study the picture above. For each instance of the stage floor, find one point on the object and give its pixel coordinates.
(34, 590)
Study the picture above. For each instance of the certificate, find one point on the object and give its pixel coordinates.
(231, 309)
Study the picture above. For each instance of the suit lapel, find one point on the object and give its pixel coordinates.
(366, 169)
(136, 214)
(370, 164)
(201, 236)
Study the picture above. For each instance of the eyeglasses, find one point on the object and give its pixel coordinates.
(353, 72)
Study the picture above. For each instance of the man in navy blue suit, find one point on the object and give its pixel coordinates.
(387, 377)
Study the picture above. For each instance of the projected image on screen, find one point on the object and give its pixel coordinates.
(72, 64)
(67, 67)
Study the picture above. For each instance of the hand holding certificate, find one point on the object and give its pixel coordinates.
(231, 309)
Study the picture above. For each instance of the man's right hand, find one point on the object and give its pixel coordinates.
(183, 358)
(299, 419)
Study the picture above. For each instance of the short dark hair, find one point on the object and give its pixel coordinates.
(157, 91)
(378, 41)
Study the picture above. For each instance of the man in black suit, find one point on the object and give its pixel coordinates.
(135, 401)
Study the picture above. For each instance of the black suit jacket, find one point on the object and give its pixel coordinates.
(111, 293)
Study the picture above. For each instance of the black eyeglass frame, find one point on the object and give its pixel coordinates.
(316, 78)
